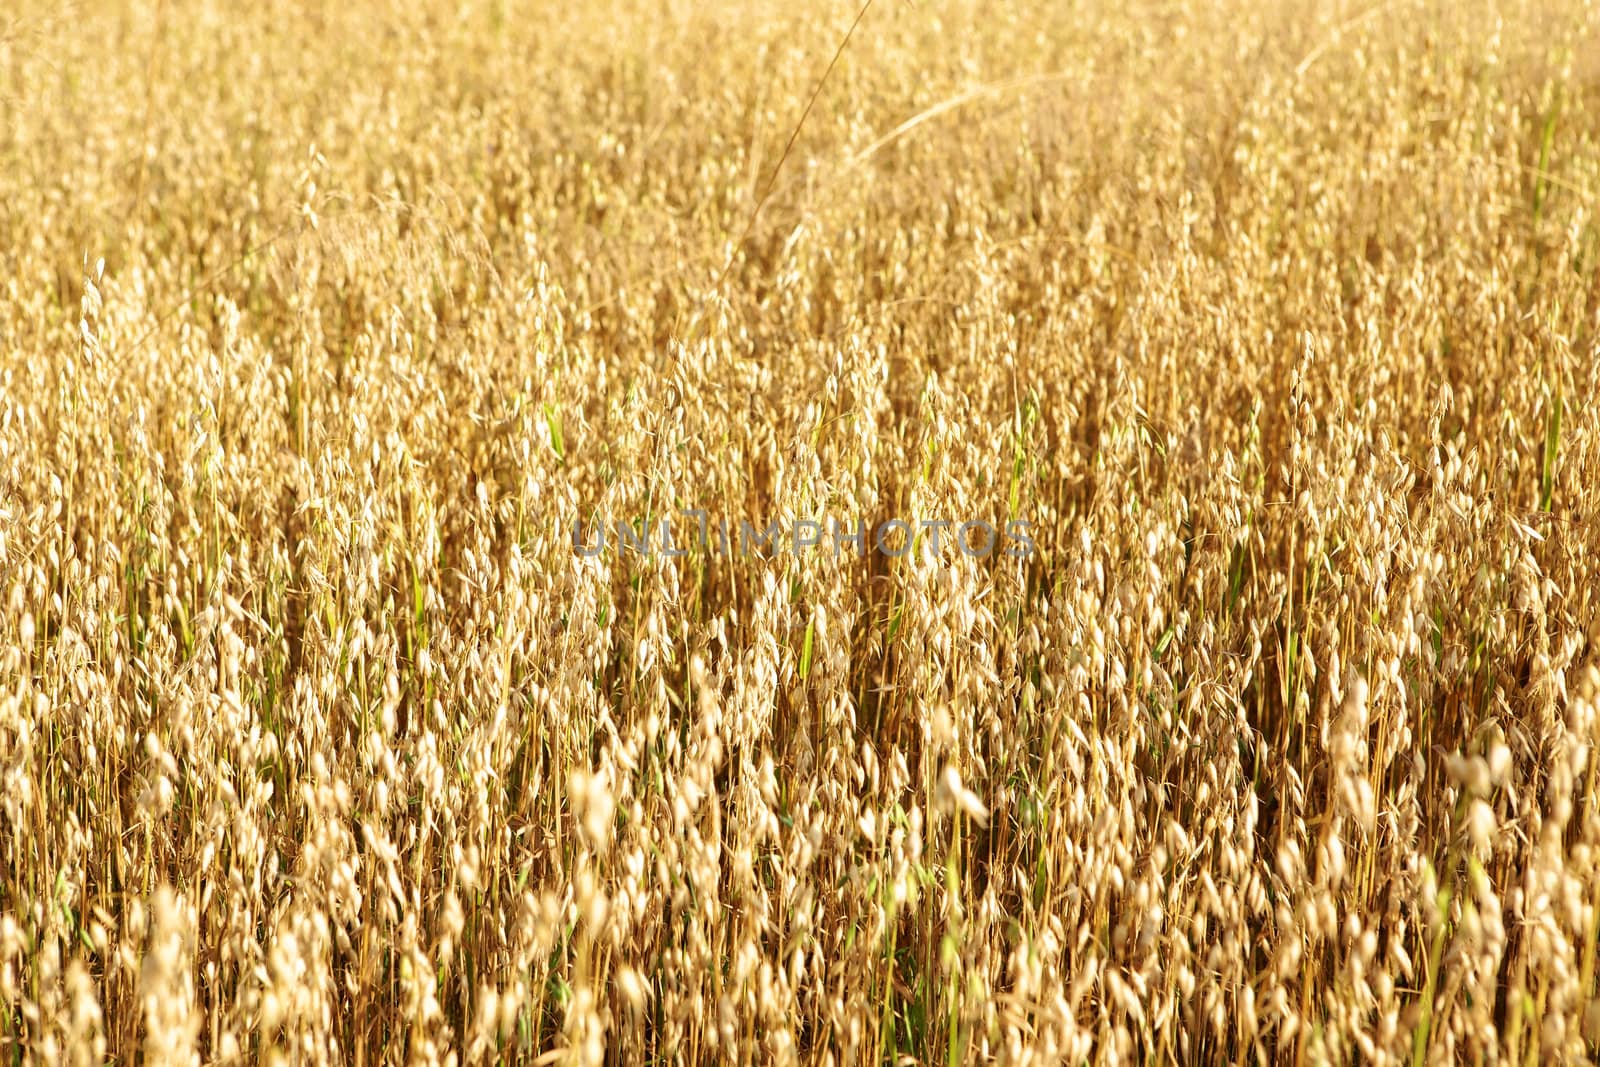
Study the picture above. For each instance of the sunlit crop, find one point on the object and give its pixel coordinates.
(1263, 338)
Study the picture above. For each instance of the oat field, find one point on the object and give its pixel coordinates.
(1172, 630)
